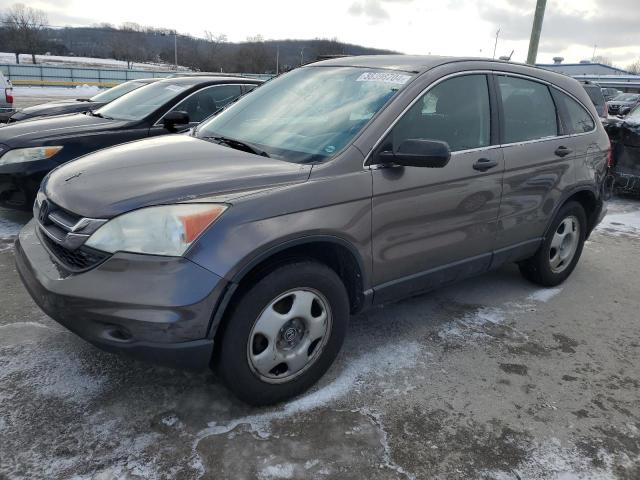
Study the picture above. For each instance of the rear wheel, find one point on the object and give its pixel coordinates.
(283, 332)
(561, 250)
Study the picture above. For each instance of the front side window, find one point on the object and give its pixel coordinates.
(579, 120)
(207, 101)
(309, 114)
(529, 111)
(455, 111)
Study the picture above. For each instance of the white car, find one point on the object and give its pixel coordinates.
(6, 98)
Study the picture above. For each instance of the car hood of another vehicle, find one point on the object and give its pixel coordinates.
(167, 169)
(47, 130)
(59, 108)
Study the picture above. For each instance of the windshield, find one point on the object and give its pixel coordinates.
(117, 91)
(626, 97)
(141, 102)
(634, 115)
(309, 114)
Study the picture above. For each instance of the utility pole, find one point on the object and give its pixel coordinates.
(495, 46)
(175, 48)
(277, 59)
(535, 32)
(593, 57)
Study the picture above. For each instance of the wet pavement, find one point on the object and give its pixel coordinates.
(493, 378)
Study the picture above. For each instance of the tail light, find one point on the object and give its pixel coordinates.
(8, 95)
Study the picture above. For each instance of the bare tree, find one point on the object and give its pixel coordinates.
(603, 60)
(634, 67)
(24, 25)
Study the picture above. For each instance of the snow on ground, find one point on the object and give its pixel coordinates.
(545, 294)
(8, 231)
(87, 62)
(80, 91)
(621, 224)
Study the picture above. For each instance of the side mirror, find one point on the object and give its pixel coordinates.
(419, 153)
(176, 117)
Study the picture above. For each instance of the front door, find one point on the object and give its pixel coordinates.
(435, 225)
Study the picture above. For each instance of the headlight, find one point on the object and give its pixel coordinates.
(163, 230)
(20, 155)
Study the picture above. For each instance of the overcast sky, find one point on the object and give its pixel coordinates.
(444, 27)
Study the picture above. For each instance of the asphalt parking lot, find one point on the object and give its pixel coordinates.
(493, 378)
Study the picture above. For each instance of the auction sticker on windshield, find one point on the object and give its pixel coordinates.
(395, 78)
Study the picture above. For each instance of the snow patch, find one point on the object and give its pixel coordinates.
(382, 361)
(8, 231)
(269, 472)
(552, 461)
(53, 372)
(621, 224)
(472, 325)
(87, 62)
(80, 91)
(544, 295)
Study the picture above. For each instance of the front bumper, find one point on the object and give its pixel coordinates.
(155, 308)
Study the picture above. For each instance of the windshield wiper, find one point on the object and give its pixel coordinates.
(238, 145)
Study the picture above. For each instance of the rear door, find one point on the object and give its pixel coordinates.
(539, 163)
(433, 225)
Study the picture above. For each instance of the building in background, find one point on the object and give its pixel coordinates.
(604, 75)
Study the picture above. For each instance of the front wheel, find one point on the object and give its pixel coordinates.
(559, 253)
(283, 332)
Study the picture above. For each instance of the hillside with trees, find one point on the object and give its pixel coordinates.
(25, 30)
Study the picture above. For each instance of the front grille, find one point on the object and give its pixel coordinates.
(64, 234)
(82, 258)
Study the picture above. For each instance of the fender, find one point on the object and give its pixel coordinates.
(248, 266)
(576, 189)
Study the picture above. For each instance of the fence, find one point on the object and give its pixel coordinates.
(71, 76)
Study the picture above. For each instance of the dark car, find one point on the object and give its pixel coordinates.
(597, 98)
(610, 93)
(624, 103)
(29, 150)
(337, 186)
(61, 107)
(625, 162)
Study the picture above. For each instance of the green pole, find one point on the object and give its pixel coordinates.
(535, 32)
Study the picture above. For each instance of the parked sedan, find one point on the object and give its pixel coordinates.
(624, 103)
(60, 107)
(336, 186)
(625, 164)
(29, 150)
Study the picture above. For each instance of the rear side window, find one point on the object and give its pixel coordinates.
(529, 111)
(578, 119)
(455, 111)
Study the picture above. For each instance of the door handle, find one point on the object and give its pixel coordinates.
(563, 151)
(484, 164)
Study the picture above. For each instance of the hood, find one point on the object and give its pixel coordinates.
(56, 108)
(167, 169)
(42, 131)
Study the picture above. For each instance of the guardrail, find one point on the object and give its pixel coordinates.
(46, 75)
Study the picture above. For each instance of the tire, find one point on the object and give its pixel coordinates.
(299, 295)
(543, 268)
